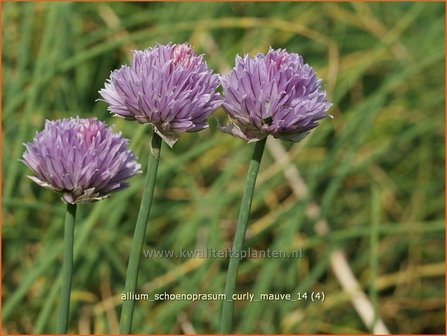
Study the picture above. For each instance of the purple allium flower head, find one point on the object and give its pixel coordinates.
(80, 158)
(167, 86)
(273, 94)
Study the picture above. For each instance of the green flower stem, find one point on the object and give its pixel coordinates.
(67, 269)
(138, 237)
(226, 324)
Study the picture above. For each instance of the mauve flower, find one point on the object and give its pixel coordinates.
(167, 86)
(274, 94)
(81, 158)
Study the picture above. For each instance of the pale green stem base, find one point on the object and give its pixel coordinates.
(226, 325)
(67, 270)
(138, 237)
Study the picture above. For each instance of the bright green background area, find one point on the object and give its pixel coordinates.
(376, 169)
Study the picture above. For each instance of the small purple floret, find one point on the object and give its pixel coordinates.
(81, 158)
(274, 94)
(167, 86)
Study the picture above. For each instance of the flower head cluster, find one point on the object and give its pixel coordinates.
(167, 86)
(80, 158)
(274, 94)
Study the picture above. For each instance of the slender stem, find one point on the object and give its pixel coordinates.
(226, 324)
(67, 269)
(138, 237)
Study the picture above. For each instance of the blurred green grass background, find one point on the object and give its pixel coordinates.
(376, 170)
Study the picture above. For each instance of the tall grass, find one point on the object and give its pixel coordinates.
(376, 170)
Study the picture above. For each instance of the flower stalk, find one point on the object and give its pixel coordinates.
(67, 269)
(244, 213)
(139, 234)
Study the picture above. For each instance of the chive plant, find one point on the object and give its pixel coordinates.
(170, 88)
(273, 94)
(85, 161)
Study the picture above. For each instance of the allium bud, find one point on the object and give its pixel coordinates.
(81, 158)
(274, 94)
(167, 86)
